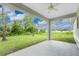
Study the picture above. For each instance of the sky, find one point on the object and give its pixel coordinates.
(40, 23)
(62, 24)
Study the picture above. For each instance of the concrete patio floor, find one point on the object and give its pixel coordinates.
(49, 48)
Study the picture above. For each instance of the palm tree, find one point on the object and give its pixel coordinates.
(3, 25)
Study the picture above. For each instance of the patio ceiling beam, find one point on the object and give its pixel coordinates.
(26, 9)
(65, 16)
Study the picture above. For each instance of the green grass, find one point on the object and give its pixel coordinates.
(18, 42)
(63, 36)
(15, 43)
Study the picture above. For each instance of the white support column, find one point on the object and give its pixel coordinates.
(32, 24)
(49, 30)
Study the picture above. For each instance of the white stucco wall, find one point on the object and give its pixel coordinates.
(76, 33)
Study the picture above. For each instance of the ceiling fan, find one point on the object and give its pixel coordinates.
(52, 6)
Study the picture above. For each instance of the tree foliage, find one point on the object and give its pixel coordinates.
(16, 27)
(29, 26)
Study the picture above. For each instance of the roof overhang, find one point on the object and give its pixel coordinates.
(27, 8)
(62, 9)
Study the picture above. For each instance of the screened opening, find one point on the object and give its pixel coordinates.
(20, 29)
(62, 29)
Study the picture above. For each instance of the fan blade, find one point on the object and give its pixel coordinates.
(55, 4)
(51, 9)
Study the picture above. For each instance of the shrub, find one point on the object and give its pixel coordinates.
(27, 33)
(0, 33)
(32, 29)
(8, 29)
(69, 32)
(42, 31)
(16, 28)
(35, 30)
(1, 28)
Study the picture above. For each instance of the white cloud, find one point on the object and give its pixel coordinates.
(11, 14)
(12, 18)
(20, 16)
(6, 9)
(43, 22)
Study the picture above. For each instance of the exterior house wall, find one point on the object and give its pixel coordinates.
(76, 33)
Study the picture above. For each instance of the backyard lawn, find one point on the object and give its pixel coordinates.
(17, 42)
(65, 36)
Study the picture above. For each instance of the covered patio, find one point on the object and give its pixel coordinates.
(49, 48)
(51, 12)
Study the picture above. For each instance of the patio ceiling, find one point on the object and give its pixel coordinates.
(25, 9)
(62, 9)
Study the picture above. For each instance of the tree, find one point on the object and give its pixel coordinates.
(16, 28)
(3, 24)
(28, 24)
